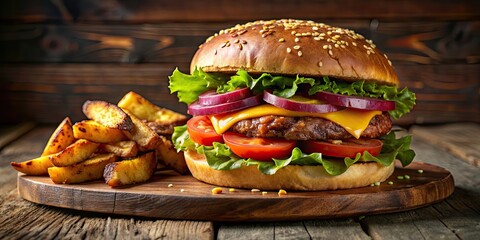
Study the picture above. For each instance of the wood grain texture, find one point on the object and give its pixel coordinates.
(210, 10)
(423, 42)
(9, 134)
(462, 140)
(196, 202)
(24, 220)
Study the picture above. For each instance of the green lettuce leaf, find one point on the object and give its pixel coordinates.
(188, 87)
(220, 157)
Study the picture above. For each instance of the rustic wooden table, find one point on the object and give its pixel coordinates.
(455, 147)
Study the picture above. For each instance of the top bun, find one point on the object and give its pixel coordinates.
(294, 47)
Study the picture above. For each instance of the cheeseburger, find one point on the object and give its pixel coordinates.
(291, 104)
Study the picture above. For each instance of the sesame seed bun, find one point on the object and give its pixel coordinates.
(292, 177)
(295, 47)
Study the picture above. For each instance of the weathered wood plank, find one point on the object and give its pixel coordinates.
(424, 42)
(460, 139)
(210, 10)
(9, 133)
(464, 174)
(22, 219)
(246, 231)
(335, 229)
(49, 93)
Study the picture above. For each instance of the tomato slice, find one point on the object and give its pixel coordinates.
(260, 149)
(202, 132)
(345, 148)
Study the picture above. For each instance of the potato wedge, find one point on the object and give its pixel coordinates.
(60, 139)
(89, 170)
(79, 151)
(107, 114)
(168, 156)
(96, 132)
(145, 110)
(125, 149)
(38, 166)
(126, 172)
(144, 136)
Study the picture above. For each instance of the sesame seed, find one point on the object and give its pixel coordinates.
(264, 193)
(240, 46)
(216, 190)
(294, 32)
(228, 44)
(330, 52)
(296, 47)
(170, 185)
(320, 64)
(281, 40)
(330, 47)
(237, 40)
(299, 53)
(329, 33)
(420, 171)
(390, 183)
(354, 44)
(377, 183)
(297, 40)
(407, 177)
(325, 46)
(215, 51)
(182, 190)
(314, 28)
(389, 62)
(317, 38)
(289, 50)
(400, 177)
(282, 192)
(343, 46)
(255, 190)
(232, 190)
(336, 45)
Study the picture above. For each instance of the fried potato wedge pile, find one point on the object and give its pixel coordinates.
(121, 143)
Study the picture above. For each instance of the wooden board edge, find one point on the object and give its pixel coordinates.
(197, 208)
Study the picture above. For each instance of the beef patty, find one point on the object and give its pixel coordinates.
(307, 128)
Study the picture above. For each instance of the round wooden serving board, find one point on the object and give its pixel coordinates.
(187, 198)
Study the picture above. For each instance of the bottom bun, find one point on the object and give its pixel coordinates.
(292, 177)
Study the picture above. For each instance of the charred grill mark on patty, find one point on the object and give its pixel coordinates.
(307, 128)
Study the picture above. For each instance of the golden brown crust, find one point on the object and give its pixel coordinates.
(303, 178)
(291, 47)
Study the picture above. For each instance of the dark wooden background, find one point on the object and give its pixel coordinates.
(55, 54)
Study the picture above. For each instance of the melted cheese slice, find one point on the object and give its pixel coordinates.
(355, 121)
